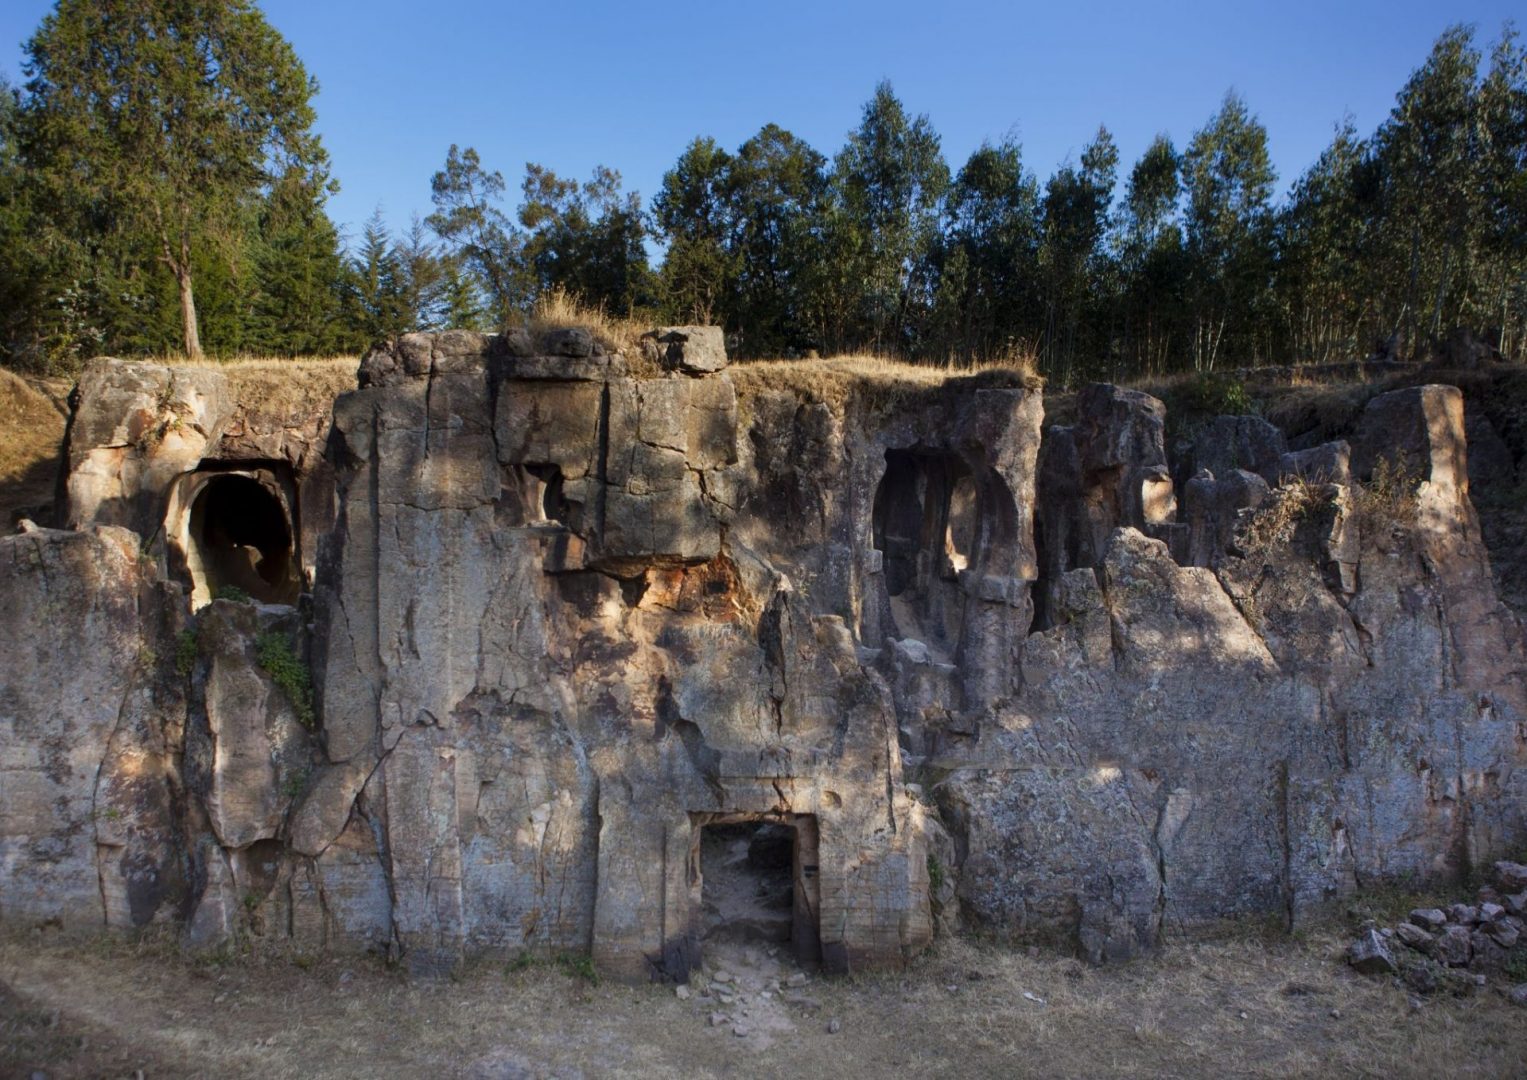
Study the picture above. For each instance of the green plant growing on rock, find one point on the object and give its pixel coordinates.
(935, 874)
(233, 594)
(296, 783)
(286, 670)
(185, 653)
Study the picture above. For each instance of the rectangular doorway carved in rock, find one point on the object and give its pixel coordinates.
(754, 879)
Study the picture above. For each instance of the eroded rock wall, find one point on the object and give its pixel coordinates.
(558, 618)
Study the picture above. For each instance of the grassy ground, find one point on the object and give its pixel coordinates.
(1238, 1006)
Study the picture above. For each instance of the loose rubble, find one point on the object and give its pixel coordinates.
(1456, 950)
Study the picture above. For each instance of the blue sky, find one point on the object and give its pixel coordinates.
(574, 84)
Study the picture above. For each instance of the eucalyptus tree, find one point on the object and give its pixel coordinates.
(1228, 179)
(692, 213)
(1149, 243)
(776, 189)
(586, 239)
(477, 232)
(988, 299)
(1073, 254)
(889, 179)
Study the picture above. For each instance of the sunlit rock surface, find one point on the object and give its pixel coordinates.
(516, 625)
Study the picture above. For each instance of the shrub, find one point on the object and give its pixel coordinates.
(287, 671)
(1277, 521)
(185, 653)
(232, 593)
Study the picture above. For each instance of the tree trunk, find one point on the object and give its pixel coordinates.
(188, 315)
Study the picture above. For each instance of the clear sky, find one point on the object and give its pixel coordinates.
(572, 84)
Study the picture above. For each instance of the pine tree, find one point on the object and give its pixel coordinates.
(168, 118)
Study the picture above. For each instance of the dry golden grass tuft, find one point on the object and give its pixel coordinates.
(561, 310)
(877, 380)
(1295, 499)
(291, 387)
(277, 387)
(31, 440)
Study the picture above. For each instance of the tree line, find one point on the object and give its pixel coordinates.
(162, 189)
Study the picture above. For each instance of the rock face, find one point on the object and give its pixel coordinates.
(557, 621)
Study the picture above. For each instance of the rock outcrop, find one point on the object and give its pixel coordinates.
(469, 660)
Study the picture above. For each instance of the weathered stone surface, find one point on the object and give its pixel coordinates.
(1418, 431)
(136, 427)
(1453, 946)
(564, 621)
(1431, 919)
(1240, 442)
(64, 680)
(1414, 936)
(694, 350)
(253, 743)
(1370, 955)
(1511, 877)
(1328, 463)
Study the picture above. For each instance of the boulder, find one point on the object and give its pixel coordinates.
(1240, 442)
(1419, 431)
(1511, 877)
(1370, 954)
(694, 350)
(1328, 463)
(1453, 946)
(1429, 919)
(1463, 914)
(1414, 936)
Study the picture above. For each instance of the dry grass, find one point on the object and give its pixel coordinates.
(31, 440)
(1241, 1005)
(876, 380)
(277, 388)
(560, 310)
(1294, 500)
(290, 388)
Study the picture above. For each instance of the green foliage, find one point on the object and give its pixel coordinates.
(151, 134)
(185, 653)
(296, 783)
(1216, 395)
(161, 187)
(578, 966)
(935, 874)
(287, 670)
(477, 232)
(233, 594)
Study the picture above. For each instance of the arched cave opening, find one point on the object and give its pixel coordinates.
(241, 538)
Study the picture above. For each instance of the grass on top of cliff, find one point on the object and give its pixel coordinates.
(276, 386)
(877, 380)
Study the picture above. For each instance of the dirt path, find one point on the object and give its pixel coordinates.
(1239, 1007)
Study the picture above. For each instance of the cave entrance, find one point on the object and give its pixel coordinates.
(754, 881)
(238, 536)
(926, 524)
